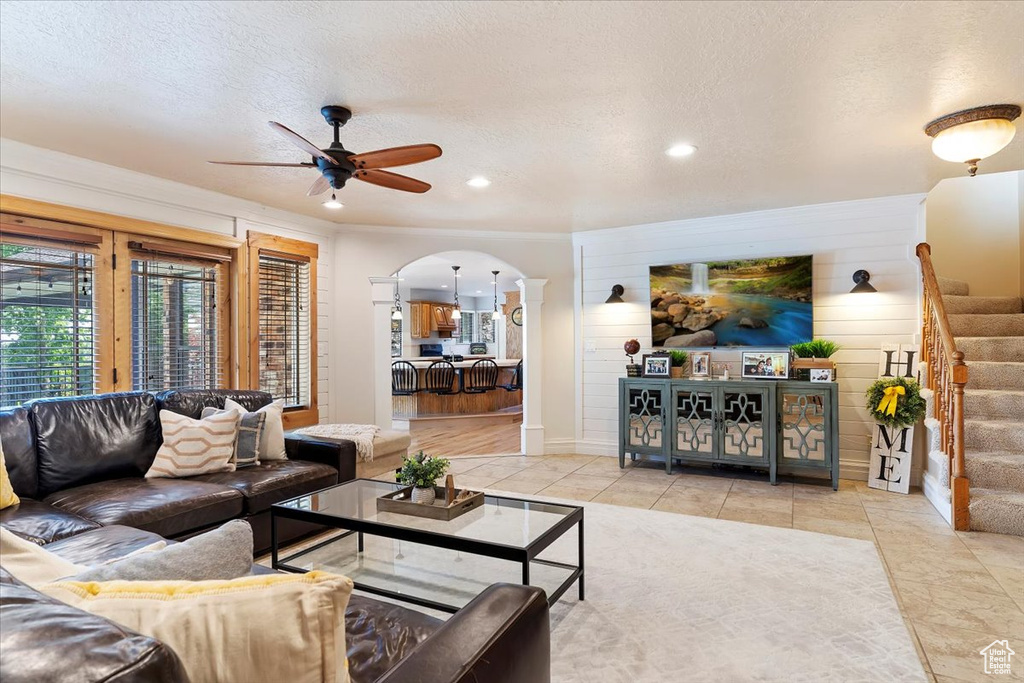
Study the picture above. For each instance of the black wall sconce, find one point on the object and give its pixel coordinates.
(616, 297)
(863, 285)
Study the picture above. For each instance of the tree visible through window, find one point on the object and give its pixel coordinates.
(174, 325)
(46, 322)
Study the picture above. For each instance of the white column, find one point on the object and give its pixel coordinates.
(382, 290)
(531, 299)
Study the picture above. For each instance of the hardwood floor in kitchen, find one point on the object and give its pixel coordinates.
(500, 439)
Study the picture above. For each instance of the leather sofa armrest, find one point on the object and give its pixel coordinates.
(338, 453)
(502, 636)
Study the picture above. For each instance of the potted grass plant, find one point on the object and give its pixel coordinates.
(679, 358)
(422, 472)
(813, 354)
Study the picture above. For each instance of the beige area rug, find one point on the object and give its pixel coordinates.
(678, 598)
(673, 598)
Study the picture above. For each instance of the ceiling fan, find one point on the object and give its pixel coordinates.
(336, 164)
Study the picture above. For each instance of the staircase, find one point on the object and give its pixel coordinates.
(990, 333)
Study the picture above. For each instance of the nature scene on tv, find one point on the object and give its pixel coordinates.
(749, 302)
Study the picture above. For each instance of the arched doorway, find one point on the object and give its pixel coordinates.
(505, 419)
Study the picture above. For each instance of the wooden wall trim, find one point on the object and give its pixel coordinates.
(69, 214)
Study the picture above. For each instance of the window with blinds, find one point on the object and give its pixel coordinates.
(47, 322)
(174, 320)
(467, 327)
(285, 355)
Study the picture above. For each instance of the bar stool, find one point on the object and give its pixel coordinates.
(517, 379)
(439, 378)
(405, 380)
(481, 377)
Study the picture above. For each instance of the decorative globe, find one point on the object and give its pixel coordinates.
(632, 347)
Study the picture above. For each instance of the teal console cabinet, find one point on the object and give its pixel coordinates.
(781, 426)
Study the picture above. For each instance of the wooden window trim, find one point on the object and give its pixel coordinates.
(298, 250)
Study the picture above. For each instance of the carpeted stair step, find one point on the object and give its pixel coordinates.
(953, 287)
(997, 511)
(994, 436)
(993, 404)
(983, 304)
(997, 471)
(988, 324)
(992, 348)
(992, 375)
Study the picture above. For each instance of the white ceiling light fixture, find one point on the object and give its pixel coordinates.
(333, 203)
(681, 150)
(396, 310)
(478, 181)
(971, 135)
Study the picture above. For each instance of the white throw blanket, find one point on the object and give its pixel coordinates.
(361, 435)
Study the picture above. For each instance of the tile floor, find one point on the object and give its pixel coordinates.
(958, 591)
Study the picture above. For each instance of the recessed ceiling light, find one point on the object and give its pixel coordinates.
(680, 150)
(479, 291)
(333, 203)
(478, 181)
(444, 286)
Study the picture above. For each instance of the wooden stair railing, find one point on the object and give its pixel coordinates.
(947, 376)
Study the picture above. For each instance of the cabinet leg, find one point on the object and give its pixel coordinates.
(622, 459)
(668, 464)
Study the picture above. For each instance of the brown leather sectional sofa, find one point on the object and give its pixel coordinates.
(78, 464)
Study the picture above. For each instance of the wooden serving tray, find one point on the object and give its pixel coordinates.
(401, 502)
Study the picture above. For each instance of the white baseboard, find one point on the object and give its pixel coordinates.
(938, 496)
(559, 446)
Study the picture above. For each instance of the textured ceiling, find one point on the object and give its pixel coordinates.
(566, 106)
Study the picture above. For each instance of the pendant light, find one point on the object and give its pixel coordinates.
(456, 312)
(396, 311)
(495, 283)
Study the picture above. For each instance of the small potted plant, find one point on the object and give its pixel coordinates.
(679, 359)
(422, 472)
(896, 402)
(813, 355)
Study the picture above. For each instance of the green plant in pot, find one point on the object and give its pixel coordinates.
(896, 402)
(813, 354)
(679, 359)
(422, 472)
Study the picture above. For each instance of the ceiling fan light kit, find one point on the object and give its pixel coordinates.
(971, 135)
(337, 164)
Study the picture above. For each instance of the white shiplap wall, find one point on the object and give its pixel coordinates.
(878, 235)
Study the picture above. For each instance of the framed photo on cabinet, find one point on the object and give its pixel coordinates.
(657, 365)
(765, 365)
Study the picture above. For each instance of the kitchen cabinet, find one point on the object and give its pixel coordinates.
(430, 316)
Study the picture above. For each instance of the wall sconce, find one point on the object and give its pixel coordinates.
(863, 285)
(971, 135)
(616, 297)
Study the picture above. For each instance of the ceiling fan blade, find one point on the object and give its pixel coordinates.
(301, 142)
(261, 163)
(319, 186)
(395, 156)
(392, 180)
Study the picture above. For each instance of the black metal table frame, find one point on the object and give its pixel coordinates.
(437, 540)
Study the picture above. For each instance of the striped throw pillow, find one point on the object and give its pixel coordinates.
(247, 446)
(194, 447)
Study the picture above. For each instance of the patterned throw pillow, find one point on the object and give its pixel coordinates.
(250, 428)
(194, 447)
(272, 440)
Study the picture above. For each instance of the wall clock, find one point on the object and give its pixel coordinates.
(517, 316)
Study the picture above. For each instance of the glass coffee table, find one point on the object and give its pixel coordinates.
(433, 563)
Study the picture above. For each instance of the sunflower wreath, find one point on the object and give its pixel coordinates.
(896, 401)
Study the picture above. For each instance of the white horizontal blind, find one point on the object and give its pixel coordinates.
(47, 317)
(284, 332)
(174, 324)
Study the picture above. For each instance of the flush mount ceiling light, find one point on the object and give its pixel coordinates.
(682, 150)
(478, 181)
(616, 297)
(971, 135)
(862, 283)
(333, 203)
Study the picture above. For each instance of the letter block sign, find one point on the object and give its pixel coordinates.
(892, 448)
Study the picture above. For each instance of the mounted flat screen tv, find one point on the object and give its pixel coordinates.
(751, 302)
